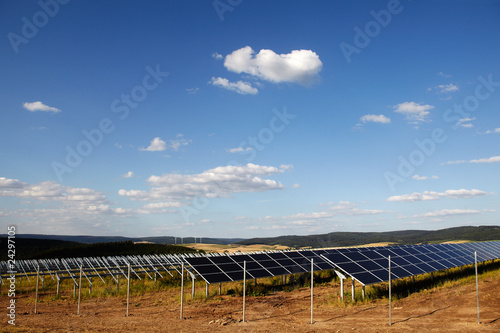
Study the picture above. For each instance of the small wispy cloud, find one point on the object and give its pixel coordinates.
(129, 174)
(493, 159)
(445, 88)
(192, 91)
(448, 212)
(375, 118)
(217, 56)
(431, 195)
(157, 144)
(417, 177)
(239, 150)
(241, 87)
(444, 75)
(39, 106)
(496, 130)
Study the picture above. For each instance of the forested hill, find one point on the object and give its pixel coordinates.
(32, 248)
(336, 239)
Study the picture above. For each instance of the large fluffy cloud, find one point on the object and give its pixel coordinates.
(298, 66)
(216, 182)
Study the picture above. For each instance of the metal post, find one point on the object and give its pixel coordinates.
(36, 294)
(43, 281)
(80, 288)
(182, 287)
(390, 295)
(206, 290)
(58, 280)
(353, 290)
(244, 286)
(155, 279)
(192, 288)
(118, 284)
(341, 289)
(220, 288)
(363, 292)
(128, 287)
(90, 286)
(477, 288)
(312, 288)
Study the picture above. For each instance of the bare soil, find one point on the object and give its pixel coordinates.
(440, 309)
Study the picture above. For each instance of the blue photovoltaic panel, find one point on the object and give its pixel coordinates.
(367, 265)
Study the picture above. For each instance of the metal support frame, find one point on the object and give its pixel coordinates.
(80, 289)
(244, 286)
(182, 288)
(390, 293)
(312, 289)
(353, 291)
(477, 288)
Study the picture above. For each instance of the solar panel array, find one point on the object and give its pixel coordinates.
(68, 268)
(367, 265)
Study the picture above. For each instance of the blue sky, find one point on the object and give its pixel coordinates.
(248, 118)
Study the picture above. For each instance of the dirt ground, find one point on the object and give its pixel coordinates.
(440, 309)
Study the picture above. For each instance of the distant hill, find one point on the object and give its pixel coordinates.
(32, 248)
(339, 239)
(106, 239)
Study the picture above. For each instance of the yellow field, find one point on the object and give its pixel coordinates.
(235, 247)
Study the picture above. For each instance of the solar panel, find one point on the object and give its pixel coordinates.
(365, 264)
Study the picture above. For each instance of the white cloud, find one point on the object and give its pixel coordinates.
(217, 56)
(240, 87)
(417, 177)
(39, 106)
(444, 75)
(493, 159)
(415, 113)
(178, 142)
(448, 212)
(192, 91)
(129, 174)
(157, 144)
(445, 88)
(321, 218)
(239, 149)
(296, 185)
(431, 195)
(298, 66)
(218, 182)
(381, 119)
(465, 122)
(496, 130)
